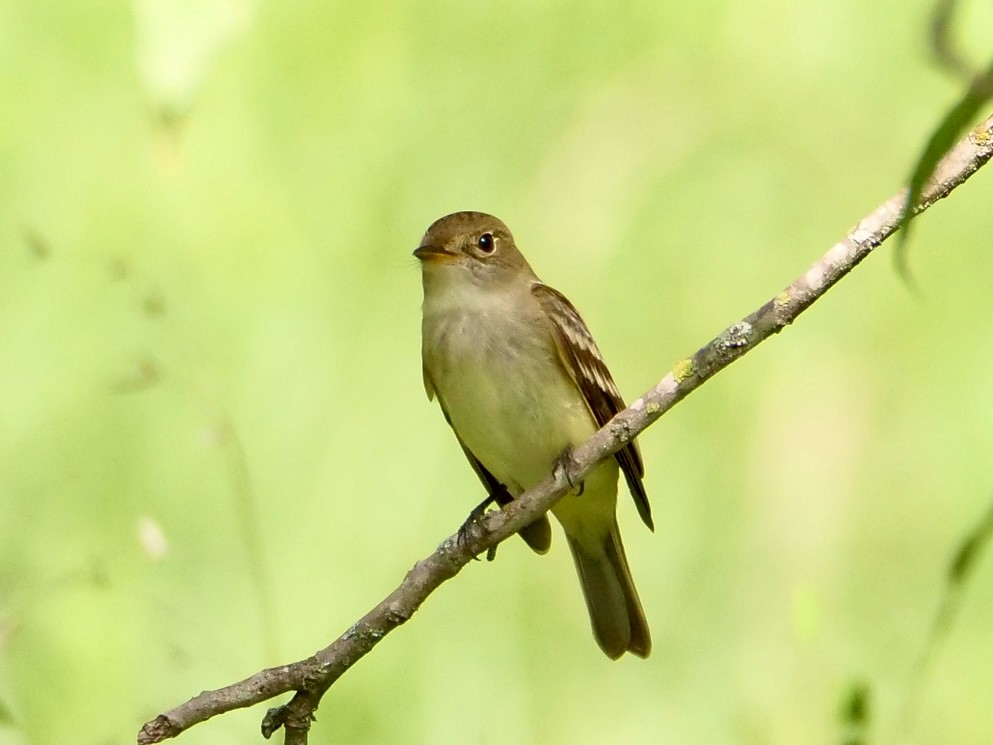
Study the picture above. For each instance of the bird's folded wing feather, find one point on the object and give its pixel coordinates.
(584, 363)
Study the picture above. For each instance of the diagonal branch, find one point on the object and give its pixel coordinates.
(310, 678)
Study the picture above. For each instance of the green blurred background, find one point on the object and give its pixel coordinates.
(215, 450)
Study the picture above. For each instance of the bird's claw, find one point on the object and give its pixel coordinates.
(474, 518)
(567, 465)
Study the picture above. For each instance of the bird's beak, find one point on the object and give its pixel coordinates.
(433, 253)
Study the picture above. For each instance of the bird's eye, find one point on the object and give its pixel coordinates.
(485, 243)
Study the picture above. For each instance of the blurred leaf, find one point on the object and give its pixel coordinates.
(178, 42)
(6, 715)
(970, 549)
(143, 374)
(856, 713)
(941, 44)
(37, 244)
(960, 570)
(955, 122)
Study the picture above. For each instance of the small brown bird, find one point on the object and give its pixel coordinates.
(521, 382)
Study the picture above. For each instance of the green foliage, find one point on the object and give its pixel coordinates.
(948, 52)
(215, 449)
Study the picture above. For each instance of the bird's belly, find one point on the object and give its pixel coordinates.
(515, 410)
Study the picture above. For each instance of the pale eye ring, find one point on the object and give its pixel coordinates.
(485, 243)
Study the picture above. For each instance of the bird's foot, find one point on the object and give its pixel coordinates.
(474, 519)
(567, 465)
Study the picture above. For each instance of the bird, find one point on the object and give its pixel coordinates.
(521, 382)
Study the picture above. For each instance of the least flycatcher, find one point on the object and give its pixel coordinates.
(521, 382)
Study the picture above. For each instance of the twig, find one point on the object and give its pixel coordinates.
(312, 677)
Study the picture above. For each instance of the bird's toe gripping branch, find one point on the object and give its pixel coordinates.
(566, 468)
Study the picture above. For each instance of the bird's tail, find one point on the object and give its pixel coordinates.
(618, 621)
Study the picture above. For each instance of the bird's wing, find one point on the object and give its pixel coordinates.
(582, 359)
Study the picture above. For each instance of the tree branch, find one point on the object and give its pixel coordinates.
(310, 678)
